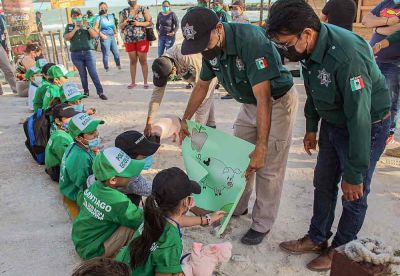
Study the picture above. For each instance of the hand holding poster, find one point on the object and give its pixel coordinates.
(217, 161)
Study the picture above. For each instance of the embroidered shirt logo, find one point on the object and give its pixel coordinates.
(239, 64)
(214, 61)
(356, 83)
(324, 77)
(261, 63)
(188, 32)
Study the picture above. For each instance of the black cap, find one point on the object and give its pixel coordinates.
(197, 25)
(162, 68)
(172, 185)
(133, 143)
(76, 11)
(63, 111)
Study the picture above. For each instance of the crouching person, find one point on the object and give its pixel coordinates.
(107, 217)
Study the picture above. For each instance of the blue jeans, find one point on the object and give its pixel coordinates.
(85, 61)
(332, 158)
(107, 46)
(164, 43)
(391, 72)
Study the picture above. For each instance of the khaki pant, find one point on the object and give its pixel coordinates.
(118, 239)
(8, 71)
(205, 113)
(269, 180)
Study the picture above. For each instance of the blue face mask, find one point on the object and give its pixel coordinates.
(165, 9)
(148, 162)
(78, 107)
(94, 143)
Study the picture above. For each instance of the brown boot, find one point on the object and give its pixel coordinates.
(303, 245)
(323, 262)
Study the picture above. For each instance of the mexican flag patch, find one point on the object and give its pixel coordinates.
(356, 83)
(261, 63)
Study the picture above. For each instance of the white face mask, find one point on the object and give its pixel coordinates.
(38, 80)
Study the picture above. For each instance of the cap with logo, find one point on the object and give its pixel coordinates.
(58, 71)
(82, 123)
(32, 71)
(40, 63)
(133, 143)
(63, 111)
(76, 11)
(172, 185)
(114, 162)
(197, 25)
(71, 93)
(162, 68)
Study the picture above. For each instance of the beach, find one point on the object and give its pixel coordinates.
(35, 226)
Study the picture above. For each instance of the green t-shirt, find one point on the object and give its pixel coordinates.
(39, 95)
(81, 41)
(53, 91)
(102, 210)
(76, 166)
(56, 146)
(164, 257)
(249, 58)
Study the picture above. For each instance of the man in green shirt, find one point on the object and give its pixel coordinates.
(58, 75)
(41, 91)
(77, 161)
(107, 218)
(347, 93)
(59, 139)
(250, 69)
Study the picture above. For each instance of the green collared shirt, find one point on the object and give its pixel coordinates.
(81, 41)
(249, 58)
(346, 88)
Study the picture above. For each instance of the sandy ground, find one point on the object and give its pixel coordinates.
(35, 227)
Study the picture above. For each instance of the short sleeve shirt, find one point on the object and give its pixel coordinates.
(391, 54)
(165, 254)
(102, 210)
(106, 24)
(81, 41)
(340, 13)
(53, 91)
(76, 166)
(39, 95)
(55, 148)
(249, 58)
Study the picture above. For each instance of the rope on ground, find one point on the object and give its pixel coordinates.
(371, 251)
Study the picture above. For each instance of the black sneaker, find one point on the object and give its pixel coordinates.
(226, 97)
(103, 97)
(253, 237)
(189, 86)
(86, 93)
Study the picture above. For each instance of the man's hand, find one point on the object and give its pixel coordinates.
(352, 192)
(184, 131)
(85, 24)
(257, 161)
(310, 142)
(77, 27)
(147, 130)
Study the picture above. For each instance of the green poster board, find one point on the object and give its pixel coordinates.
(217, 161)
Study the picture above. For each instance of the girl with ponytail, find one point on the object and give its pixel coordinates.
(156, 248)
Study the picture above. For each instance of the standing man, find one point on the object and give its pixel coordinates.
(5, 64)
(39, 21)
(347, 93)
(173, 65)
(253, 74)
(385, 21)
(340, 13)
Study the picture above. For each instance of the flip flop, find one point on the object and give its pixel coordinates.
(146, 86)
(132, 85)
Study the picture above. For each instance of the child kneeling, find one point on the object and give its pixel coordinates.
(107, 217)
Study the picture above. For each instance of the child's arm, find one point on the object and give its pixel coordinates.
(129, 215)
(188, 221)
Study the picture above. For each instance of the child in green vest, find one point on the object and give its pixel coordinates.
(77, 161)
(59, 139)
(58, 75)
(156, 248)
(70, 94)
(107, 217)
(38, 99)
(34, 76)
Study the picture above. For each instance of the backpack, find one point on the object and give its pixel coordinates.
(37, 132)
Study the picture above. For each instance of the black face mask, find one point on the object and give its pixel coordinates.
(210, 54)
(132, 3)
(102, 12)
(293, 55)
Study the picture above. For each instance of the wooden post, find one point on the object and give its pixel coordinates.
(47, 46)
(64, 59)
(54, 47)
(261, 12)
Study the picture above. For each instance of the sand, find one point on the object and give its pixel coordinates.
(35, 227)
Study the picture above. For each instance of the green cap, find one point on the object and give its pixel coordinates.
(58, 71)
(32, 71)
(40, 63)
(114, 162)
(82, 123)
(71, 93)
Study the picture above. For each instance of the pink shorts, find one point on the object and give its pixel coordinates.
(141, 46)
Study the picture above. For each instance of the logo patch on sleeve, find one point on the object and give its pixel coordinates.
(357, 83)
(261, 63)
